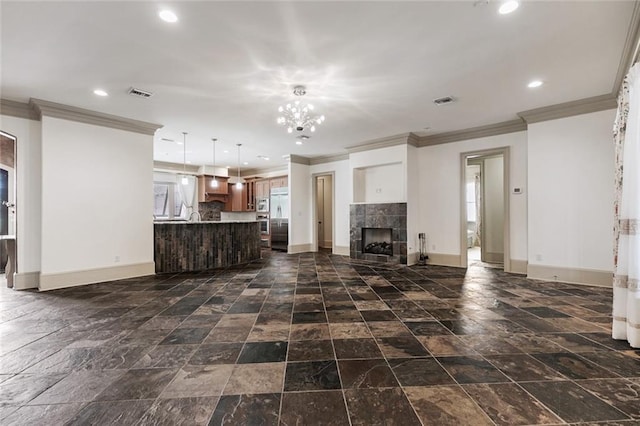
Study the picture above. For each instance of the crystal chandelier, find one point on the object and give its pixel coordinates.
(298, 115)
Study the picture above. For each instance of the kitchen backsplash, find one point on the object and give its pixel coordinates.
(211, 210)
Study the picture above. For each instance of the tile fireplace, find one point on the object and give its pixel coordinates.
(378, 232)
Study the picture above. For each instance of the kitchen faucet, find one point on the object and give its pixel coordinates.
(198, 217)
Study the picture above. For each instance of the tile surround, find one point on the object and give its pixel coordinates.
(379, 215)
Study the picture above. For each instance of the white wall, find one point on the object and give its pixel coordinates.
(384, 169)
(28, 190)
(97, 200)
(379, 184)
(300, 216)
(571, 192)
(440, 185)
(493, 188)
(342, 199)
(413, 204)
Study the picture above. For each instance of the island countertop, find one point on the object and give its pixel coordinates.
(204, 245)
(186, 222)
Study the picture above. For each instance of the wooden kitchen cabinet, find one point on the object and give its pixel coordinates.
(206, 193)
(262, 188)
(279, 182)
(242, 200)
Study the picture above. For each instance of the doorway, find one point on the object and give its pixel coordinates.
(485, 213)
(324, 211)
(7, 206)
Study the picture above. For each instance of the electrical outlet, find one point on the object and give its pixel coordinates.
(378, 190)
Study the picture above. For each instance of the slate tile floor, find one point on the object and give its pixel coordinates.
(316, 339)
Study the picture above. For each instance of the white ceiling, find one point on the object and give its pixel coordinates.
(373, 68)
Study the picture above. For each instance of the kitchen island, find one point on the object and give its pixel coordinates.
(197, 246)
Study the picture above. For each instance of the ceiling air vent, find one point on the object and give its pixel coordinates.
(444, 101)
(139, 93)
(303, 137)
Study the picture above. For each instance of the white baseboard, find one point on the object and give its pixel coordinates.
(518, 267)
(570, 275)
(92, 276)
(26, 280)
(443, 259)
(300, 248)
(342, 250)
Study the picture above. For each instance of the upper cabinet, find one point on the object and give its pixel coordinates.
(279, 182)
(206, 192)
(262, 188)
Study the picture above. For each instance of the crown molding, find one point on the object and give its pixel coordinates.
(402, 139)
(67, 112)
(299, 159)
(631, 49)
(327, 159)
(18, 109)
(256, 171)
(413, 139)
(474, 133)
(190, 169)
(569, 109)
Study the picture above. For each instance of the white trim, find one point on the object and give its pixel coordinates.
(341, 250)
(570, 275)
(97, 275)
(506, 162)
(403, 139)
(327, 243)
(299, 159)
(327, 159)
(81, 115)
(300, 248)
(630, 51)
(444, 259)
(569, 109)
(18, 109)
(474, 133)
(518, 266)
(25, 280)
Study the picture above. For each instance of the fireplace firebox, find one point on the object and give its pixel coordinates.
(377, 241)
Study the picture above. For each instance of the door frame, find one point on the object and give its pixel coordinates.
(506, 163)
(314, 207)
(15, 200)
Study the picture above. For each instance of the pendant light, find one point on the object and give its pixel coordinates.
(239, 182)
(185, 179)
(214, 182)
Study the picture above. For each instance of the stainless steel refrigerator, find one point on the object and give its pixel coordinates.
(279, 218)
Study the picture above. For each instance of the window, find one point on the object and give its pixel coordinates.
(167, 201)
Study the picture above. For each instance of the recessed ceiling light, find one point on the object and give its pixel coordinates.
(100, 92)
(535, 83)
(246, 163)
(508, 7)
(298, 142)
(226, 151)
(188, 162)
(168, 16)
